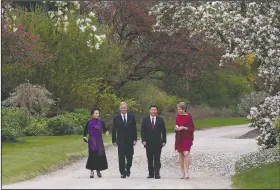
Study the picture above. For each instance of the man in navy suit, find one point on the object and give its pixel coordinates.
(153, 133)
(124, 136)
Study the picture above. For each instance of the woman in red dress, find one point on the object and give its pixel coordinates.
(184, 130)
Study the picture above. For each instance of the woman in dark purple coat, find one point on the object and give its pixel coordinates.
(96, 158)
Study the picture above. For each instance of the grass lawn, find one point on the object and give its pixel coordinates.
(32, 156)
(266, 177)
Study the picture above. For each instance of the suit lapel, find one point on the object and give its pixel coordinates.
(127, 119)
(156, 121)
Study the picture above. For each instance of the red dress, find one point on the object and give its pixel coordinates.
(184, 138)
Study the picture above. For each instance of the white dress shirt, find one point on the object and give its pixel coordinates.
(155, 118)
(125, 116)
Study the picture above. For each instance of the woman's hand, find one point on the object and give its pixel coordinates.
(107, 133)
(183, 127)
(179, 129)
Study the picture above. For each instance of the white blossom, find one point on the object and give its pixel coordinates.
(91, 14)
(97, 46)
(82, 28)
(241, 32)
(93, 28)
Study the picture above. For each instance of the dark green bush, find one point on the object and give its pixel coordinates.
(69, 123)
(168, 103)
(37, 127)
(14, 121)
(62, 125)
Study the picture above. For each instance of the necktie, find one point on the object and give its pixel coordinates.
(124, 120)
(153, 123)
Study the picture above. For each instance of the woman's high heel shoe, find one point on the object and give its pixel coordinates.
(183, 177)
(187, 176)
(98, 174)
(91, 174)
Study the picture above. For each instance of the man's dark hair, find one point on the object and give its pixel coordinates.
(93, 110)
(153, 106)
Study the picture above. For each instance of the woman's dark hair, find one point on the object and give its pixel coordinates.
(93, 110)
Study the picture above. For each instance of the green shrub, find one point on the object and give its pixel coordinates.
(64, 125)
(37, 127)
(146, 93)
(168, 103)
(14, 121)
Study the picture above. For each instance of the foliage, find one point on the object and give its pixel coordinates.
(168, 103)
(13, 123)
(253, 99)
(146, 93)
(60, 32)
(34, 98)
(205, 111)
(243, 28)
(150, 55)
(220, 89)
(77, 75)
(23, 57)
(62, 125)
(37, 127)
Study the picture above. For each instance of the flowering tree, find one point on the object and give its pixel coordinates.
(148, 54)
(22, 53)
(251, 100)
(241, 28)
(64, 10)
(79, 47)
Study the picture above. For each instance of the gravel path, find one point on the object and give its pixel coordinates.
(212, 162)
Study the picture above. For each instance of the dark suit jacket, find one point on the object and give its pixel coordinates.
(122, 132)
(153, 136)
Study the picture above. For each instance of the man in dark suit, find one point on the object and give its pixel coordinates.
(124, 136)
(153, 133)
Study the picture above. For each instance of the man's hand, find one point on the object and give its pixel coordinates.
(144, 143)
(134, 142)
(115, 144)
(163, 144)
(107, 133)
(85, 139)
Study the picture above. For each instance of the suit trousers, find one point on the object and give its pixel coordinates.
(153, 156)
(125, 153)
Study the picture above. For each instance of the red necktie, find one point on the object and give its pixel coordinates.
(153, 123)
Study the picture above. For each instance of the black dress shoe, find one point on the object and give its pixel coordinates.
(150, 176)
(128, 173)
(98, 174)
(123, 176)
(157, 177)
